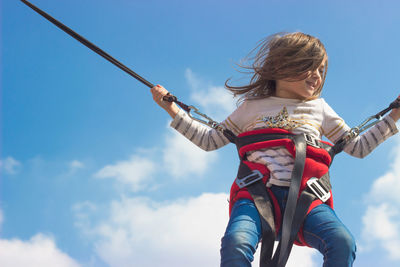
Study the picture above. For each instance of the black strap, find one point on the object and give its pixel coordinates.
(304, 202)
(230, 135)
(297, 174)
(265, 209)
(251, 139)
(296, 208)
(88, 44)
(171, 98)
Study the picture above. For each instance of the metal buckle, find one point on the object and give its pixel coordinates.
(311, 141)
(318, 190)
(249, 179)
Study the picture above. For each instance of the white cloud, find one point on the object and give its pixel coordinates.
(39, 251)
(299, 257)
(83, 212)
(179, 158)
(381, 224)
(10, 165)
(302, 257)
(75, 165)
(136, 172)
(182, 158)
(215, 100)
(184, 232)
(1, 219)
(381, 220)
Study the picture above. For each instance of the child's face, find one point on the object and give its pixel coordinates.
(300, 89)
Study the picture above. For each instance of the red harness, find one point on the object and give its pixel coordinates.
(317, 164)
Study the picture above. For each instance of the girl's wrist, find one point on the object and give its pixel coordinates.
(395, 114)
(172, 110)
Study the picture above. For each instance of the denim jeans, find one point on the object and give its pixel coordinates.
(322, 230)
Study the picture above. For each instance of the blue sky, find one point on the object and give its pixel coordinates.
(91, 174)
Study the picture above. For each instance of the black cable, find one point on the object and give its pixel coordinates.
(90, 45)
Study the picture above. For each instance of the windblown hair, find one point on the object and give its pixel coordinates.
(281, 56)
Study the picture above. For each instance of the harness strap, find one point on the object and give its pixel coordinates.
(304, 202)
(251, 139)
(265, 209)
(296, 208)
(297, 174)
(230, 135)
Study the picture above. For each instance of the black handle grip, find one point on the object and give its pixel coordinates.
(396, 103)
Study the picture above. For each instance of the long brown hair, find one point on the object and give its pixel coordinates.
(281, 56)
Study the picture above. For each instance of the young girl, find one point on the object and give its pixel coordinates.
(284, 93)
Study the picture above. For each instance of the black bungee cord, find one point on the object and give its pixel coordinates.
(99, 51)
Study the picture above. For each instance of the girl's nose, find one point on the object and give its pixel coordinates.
(316, 73)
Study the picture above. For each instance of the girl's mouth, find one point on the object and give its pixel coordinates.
(313, 85)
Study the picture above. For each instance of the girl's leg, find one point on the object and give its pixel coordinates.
(324, 231)
(242, 235)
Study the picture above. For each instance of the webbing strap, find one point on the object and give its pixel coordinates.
(265, 209)
(251, 139)
(230, 135)
(303, 204)
(297, 174)
(171, 98)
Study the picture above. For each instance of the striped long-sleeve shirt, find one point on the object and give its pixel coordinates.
(313, 117)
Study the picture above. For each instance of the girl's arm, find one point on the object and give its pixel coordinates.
(395, 114)
(199, 134)
(334, 128)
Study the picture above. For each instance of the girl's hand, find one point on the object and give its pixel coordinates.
(158, 93)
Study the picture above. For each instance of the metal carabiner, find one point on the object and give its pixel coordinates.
(364, 126)
(209, 122)
(355, 131)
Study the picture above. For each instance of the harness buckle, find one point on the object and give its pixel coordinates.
(318, 189)
(247, 180)
(312, 141)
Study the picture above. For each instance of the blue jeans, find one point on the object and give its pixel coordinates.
(322, 230)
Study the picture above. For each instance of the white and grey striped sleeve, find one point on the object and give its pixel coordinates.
(362, 145)
(204, 137)
(335, 127)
